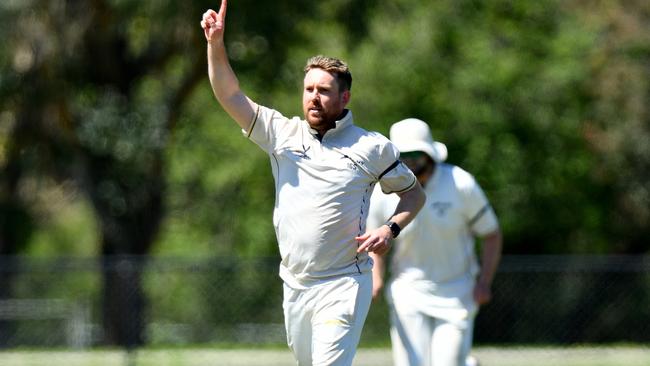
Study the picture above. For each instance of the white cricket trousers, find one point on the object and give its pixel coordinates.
(324, 321)
(421, 340)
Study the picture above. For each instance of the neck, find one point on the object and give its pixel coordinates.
(330, 125)
(425, 177)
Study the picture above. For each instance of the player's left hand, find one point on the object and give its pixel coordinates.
(482, 293)
(376, 241)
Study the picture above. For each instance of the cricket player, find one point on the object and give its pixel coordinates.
(325, 169)
(436, 282)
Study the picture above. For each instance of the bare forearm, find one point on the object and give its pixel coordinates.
(378, 270)
(222, 78)
(490, 257)
(225, 86)
(379, 266)
(377, 239)
(409, 205)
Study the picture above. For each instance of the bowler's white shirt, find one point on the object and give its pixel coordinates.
(323, 191)
(437, 248)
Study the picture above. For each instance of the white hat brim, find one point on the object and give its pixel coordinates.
(437, 151)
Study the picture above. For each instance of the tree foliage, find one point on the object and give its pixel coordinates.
(105, 104)
(93, 93)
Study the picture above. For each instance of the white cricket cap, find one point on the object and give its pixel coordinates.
(412, 134)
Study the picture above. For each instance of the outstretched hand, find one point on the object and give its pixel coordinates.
(214, 23)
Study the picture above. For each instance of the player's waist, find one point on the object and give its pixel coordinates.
(300, 278)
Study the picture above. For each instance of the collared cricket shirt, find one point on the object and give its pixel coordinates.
(323, 190)
(438, 246)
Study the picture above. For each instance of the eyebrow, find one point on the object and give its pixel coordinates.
(320, 85)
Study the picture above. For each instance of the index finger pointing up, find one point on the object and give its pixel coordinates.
(222, 10)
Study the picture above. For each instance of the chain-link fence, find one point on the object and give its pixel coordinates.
(135, 301)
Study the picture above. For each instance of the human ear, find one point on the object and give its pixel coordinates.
(345, 97)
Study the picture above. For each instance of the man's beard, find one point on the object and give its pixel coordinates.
(324, 120)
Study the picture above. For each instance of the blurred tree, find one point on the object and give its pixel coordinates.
(617, 124)
(16, 132)
(504, 85)
(93, 91)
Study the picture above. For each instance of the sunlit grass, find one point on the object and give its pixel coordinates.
(629, 355)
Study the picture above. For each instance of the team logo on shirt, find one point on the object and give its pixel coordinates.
(441, 208)
(303, 154)
(352, 164)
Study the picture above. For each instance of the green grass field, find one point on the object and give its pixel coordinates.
(488, 356)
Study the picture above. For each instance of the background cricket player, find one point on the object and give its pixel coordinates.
(436, 284)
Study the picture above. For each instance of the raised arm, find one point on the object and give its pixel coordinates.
(222, 78)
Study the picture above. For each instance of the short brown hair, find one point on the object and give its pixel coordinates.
(334, 66)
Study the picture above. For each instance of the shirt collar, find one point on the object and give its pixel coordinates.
(341, 124)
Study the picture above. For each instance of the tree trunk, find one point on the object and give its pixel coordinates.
(124, 302)
(129, 217)
(15, 220)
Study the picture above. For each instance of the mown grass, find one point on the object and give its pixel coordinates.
(628, 355)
